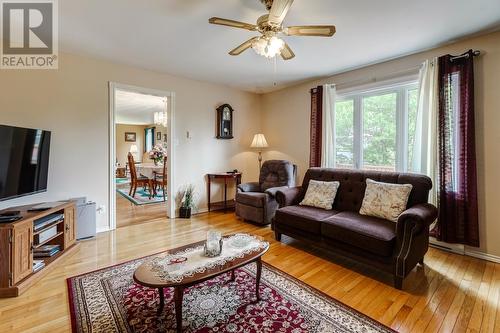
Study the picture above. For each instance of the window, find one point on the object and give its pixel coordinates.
(344, 130)
(412, 98)
(375, 129)
(149, 139)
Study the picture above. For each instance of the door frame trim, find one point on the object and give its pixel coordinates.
(113, 86)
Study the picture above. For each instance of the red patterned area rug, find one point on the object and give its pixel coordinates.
(108, 300)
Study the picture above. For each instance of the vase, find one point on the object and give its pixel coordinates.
(185, 212)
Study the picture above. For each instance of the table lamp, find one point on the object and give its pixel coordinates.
(259, 141)
(134, 150)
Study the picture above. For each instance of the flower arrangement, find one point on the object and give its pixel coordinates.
(157, 154)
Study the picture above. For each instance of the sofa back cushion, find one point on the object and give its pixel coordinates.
(275, 173)
(353, 184)
(320, 194)
(385, 200)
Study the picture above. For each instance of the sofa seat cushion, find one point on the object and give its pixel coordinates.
(254, 199)
(304, 218)
(369, 233)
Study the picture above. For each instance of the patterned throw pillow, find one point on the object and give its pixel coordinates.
(385, 200)
(320, 194)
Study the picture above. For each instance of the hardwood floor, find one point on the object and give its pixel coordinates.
(129, 214)
(450, 293)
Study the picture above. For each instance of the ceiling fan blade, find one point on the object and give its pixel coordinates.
(287, 53)
(311, 30)
(278, 11)
(232, 23)
(239, 49)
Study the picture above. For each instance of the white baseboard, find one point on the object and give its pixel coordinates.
(482, 255)
(201, 211)
(102, 229)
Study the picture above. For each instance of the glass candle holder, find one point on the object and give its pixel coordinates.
(213, 245)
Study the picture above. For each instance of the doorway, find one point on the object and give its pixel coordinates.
(140, 131)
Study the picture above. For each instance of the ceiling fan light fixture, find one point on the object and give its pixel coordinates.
(270, 26)
(268, 46)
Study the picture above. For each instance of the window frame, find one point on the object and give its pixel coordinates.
(401, 88)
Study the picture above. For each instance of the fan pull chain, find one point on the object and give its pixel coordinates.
(275, 70)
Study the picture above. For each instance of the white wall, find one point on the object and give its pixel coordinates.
(123, 147)
(72, 102)
(286, 113)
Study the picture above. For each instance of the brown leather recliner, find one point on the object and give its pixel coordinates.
(255, 201)
(395, 248)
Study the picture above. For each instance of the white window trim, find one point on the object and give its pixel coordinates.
(343, 90)
(400, 86)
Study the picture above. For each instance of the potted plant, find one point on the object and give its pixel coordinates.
(157, 154)
(187, 202)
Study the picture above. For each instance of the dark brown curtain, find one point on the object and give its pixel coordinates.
(458, 217)
(316, 119)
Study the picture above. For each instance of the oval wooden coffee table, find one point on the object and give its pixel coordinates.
(158, 272)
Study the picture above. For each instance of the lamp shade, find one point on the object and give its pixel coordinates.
(134, 149)
(259, 141)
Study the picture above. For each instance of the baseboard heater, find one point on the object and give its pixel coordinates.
(461, 249)
(455, 248)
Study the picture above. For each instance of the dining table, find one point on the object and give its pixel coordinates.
(149, 170)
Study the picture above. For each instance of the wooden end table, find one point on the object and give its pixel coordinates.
(145, 277)
(226, 177)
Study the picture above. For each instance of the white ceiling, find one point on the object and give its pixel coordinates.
(174, 36)
(137, 109)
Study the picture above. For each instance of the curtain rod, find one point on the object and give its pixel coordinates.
(388, 76)
(475, 53)
(392, 75)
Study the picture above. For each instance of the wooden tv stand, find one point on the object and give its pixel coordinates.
(18, 240)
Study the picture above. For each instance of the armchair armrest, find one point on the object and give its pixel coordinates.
(287, 196)
(412, 231)
(249, 187)
(273, 190)
(420, 216)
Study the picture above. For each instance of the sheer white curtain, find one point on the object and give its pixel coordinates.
(426, 131)
(328, 127)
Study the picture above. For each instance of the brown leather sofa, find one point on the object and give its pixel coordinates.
(395, 248)
(255, 201)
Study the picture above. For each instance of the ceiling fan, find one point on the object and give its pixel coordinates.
(271, 27)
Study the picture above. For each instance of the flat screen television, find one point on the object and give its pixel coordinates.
(24, 161)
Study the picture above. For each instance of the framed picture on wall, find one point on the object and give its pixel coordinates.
(158, 136)
(165, 138)
(130, 136)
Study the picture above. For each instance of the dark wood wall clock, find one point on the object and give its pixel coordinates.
(225, 122)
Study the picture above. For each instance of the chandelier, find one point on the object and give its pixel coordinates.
(161, 117)
(268, 45)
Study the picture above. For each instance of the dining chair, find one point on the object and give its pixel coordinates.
(137, 180)
(160, 178)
